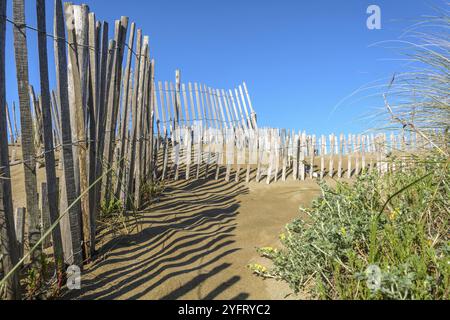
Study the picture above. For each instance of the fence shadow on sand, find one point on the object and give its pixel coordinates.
(184, 245)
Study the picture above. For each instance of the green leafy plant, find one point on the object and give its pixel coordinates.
(397, 222)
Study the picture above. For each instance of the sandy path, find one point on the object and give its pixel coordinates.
(196, 243)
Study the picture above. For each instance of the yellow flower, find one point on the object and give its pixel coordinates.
(257, 268)
(393, 215)
(282, 237)
(343, 231)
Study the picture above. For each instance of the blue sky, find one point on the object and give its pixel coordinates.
(298, 58)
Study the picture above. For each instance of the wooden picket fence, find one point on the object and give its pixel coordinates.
(116, 130)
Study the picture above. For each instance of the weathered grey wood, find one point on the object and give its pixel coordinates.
(92, 106)
(19, 224)
(204, 107)
(17, 133)
(139, 124)
(9, 125)
(102, 113)
(215, 108)
(239, 114)
(8, 244)
(245, 118)
(208, 109)
(195, 117)
(357, 155)
(121, 27)
(270, 149)
(187, 117)
(28, 147)
(303, 156)
(312, 156)
(220, 148)
(363, 154)
(322, 156)
(56, 116)
(37, 118)
(221, 109)
(129, 135)
(253, 114)
(231, 103)
(252, 151)
(163, 106)
(72, 241)
(49, 208)
(284, 144)
(349, 156)
(125, 118)
(177, 101)
(332, 152)
(244, 105)
(221, 96)
(45, 214)
(77, 75)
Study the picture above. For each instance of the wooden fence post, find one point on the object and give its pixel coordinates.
(51, 187)
(323, 143)
(341, 152)
(349, 156)
(72, 241)
(8, 245)
(332, 152)
(77, 75)
(28, 147)
(125, 106)
(19, 224)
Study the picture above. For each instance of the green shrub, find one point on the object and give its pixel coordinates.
(353, 227)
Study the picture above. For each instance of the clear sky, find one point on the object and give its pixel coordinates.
(298, 58)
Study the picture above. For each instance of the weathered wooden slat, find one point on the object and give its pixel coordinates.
(78, 77)
(204, 109)
(93, 91)
(312, 156)
(17, 132)
(222, 97)
(26, 121)
(213, 121)
(303, 156)
(349, 157)
(177, 101)
(219, 107)
(332, 151)
(8, 246)
(244, 105)
(19, 224)
(139, 121)
(56, 117)
(126, 107)
(253, 114)
(163, 109)
(72, 240)
(323, 145)
(50, 194)
(168, 105)
(45, 214)
(121, 27)
(9, 125)
(102, 114)
(195, 117)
